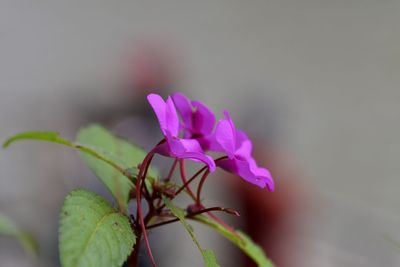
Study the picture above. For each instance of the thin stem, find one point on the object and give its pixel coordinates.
(169, 177)
(140, 178)
(194, 214)
(200, 186)
(144, 177)
(189, 181)
(195, 175)
(184, 186)
(203, 179)
(171, 171)
(184, 180)
(134, 257)
(162, 223)
(217, 219)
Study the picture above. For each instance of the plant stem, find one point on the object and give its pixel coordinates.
(192, 215)
(189, 181)
(200, 186)
(183, 186)
(203, 179)
(171, 171)
(133, 260)
(184, 180)
(140, 179)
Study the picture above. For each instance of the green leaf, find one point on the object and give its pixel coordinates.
(44, 136)
(92, 233)
(9, 228)
(209, 258)
(241, 240)
(121, 152)
(208, 255)
(55, 138)
(112, 159)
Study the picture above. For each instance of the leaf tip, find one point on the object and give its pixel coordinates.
(6, 143)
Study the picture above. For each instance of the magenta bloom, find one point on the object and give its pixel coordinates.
(238, 148)
(169, 123)
(198, 120)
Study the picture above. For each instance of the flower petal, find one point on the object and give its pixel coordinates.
(245, 172)
(203, 119)
(225, 137)
(267, 177)
(245, 169)
(240, 138)
(171, 117)
(182, 104)
(189, 149)
(245, 149)
(159, 106)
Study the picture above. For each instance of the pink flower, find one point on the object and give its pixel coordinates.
(174, 146)
(238, 149)
(198, 120)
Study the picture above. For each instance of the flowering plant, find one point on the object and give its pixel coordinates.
(93, 233)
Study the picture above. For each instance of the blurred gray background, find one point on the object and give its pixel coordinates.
(330, 70)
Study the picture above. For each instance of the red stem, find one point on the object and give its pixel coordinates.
(171, 171)
(200, 186)
(169, 177)
(194, 214)
(203, 179)
(141, 176)
(184, 180)
(217, 219)
(133, 258)
(189, 181)
(184, 186)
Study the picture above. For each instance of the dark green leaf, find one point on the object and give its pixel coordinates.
(92, 233)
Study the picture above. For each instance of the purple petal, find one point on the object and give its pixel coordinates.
(225, 137)
(171, 117)
(261, 173)
(203, 119)
(248, 171)
(229, 119)
(159, 106)
(245, 149)
(189, 149)
(267, 177)
(210, 143)
(245, 172)
(166, 113)
(182, 104)
(240, 138)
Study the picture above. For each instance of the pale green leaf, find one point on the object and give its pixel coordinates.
(9, 228)
(121, 152)
(241, 240)
(209, 258)
(43, 136)
(208, 255)
(55, 138)
(108, 156)
(92, 233)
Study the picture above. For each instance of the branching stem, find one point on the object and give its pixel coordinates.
(194, 214)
